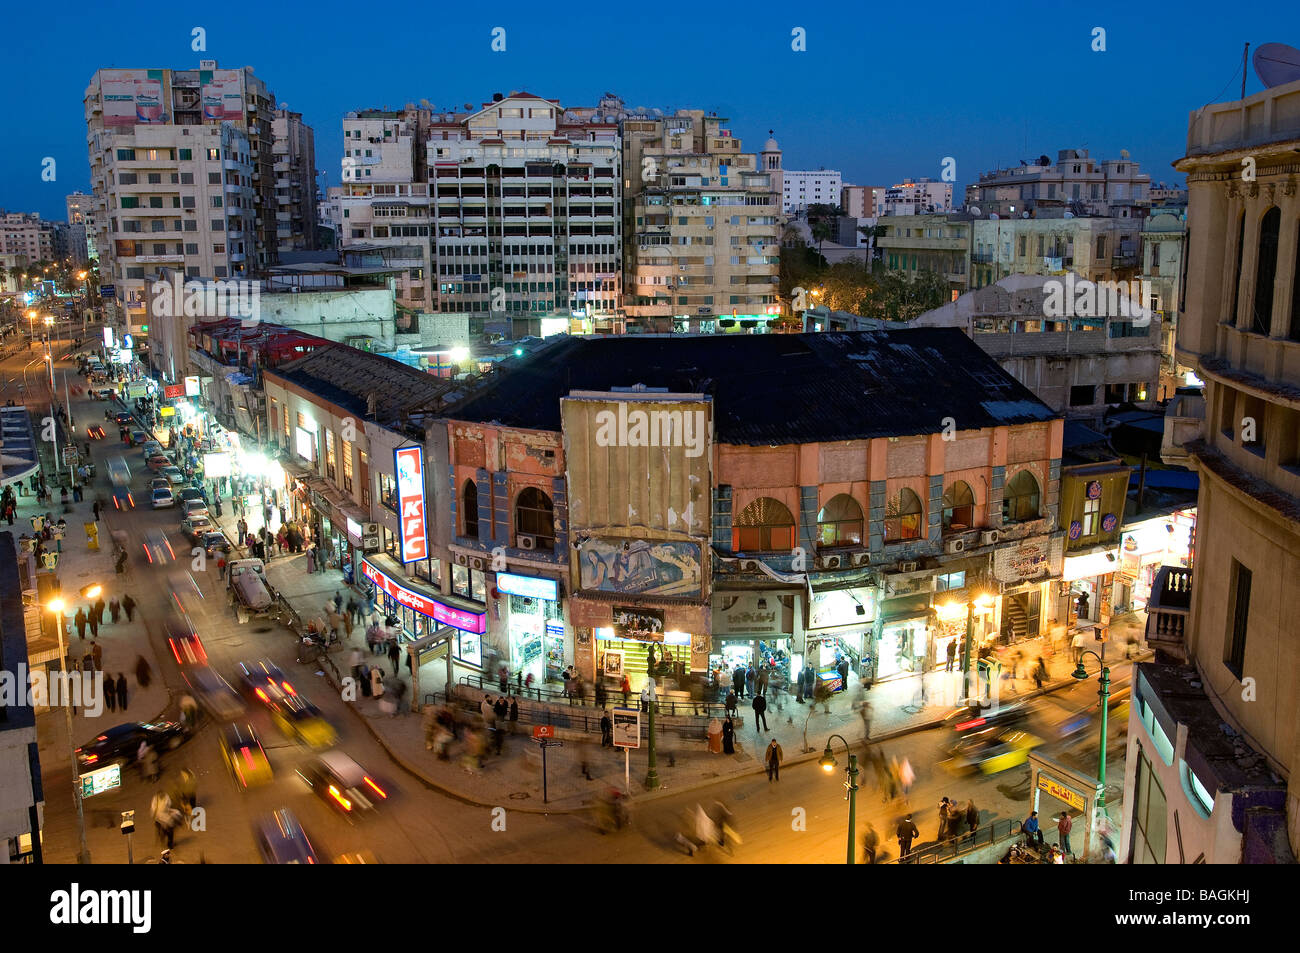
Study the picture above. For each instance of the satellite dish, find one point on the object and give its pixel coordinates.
(974, 210)
(1068, 215)
(1024, 214)
(1276, 64)
(993, 216)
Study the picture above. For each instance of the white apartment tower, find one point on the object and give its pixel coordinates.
(294, 152)
(918, 197)
(802, 189)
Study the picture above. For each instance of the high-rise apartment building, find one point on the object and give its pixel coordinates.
(528, 215)
(701, 226)
(149, 125)
(382, 208)
(1213, 764)
(863, 201)
(918, 197)
(23, 235)
(802, 189)
(1075, 182)
(294, 152)
(81, 211)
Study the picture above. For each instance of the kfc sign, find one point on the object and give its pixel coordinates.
(410, 503)
(473, 622)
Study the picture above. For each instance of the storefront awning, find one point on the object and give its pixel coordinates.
(418, 599)
(1091, 564)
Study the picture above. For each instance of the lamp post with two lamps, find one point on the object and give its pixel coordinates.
(828, 763)
(1104, 694)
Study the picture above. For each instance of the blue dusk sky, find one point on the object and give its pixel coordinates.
(881, 92)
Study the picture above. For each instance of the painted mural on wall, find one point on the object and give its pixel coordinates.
(639, 566)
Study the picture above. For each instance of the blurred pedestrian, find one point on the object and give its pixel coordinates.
(1040, 673)
(870, 843)
(907, 832)
(115, 610)
(96, 654)
(945, 819)
(121, 691)
(728, 737)
(394, 655)
(128, 606)
(376, 682)
(759, 706)
(143, 672)
(79, 620)
(110, 693)
(972, 815)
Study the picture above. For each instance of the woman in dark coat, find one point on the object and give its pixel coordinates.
(728, 737)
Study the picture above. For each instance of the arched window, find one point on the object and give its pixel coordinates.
(839, 523)
(1266, 271)
(903, 517)
(1021, 499)
(1236, 281)
(958, 508)
(469, 508)
(535, 516)
(764, 526)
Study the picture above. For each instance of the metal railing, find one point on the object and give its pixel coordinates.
(665, 706)
(945, 851)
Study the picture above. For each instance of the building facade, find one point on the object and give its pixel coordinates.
(1164, 240)
(701, 225)
(1098, 249)
(293, 149)
(1212, 768)
(801, 189)
(1075, 182)
(929, 242)
(918, 197)
(81, 212)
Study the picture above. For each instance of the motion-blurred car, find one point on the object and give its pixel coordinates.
(1084, 721)
(195, 526)
(103, 393)
(215, 693)
(186, 646)
(977, 717)
(263, 681)
(122, 743)
(157, 462)
(162, 497)
(158, 548)
(245, 757)
(95, 432)
(300, 720)
(343, 784)
(215, 542)
(281, 839)
(992, 750)
(173, 475)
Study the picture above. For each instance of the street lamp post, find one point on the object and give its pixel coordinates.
(828, 762)
(1104, 694)
(83, 856)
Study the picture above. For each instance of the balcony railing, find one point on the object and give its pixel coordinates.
(1168, 610)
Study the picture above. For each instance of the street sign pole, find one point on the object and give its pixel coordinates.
(540, 734)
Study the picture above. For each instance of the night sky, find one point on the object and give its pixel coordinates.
(881, 92)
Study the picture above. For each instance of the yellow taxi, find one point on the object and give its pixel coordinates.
(245, 756)
(300, 720)
(991, 751)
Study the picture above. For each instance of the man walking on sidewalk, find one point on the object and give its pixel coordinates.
(1063, 827)
(128, 604)
(907, 832)
(773, 758)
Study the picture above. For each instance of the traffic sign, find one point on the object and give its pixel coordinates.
(543, 731)
(627, 728)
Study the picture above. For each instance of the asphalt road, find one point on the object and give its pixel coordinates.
(801, 818)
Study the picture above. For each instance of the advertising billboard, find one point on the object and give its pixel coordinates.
(223, 96)
(640, 566)
(409, 462)
(304, 444)
(132, 97)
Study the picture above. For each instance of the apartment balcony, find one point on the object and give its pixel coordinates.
(158, 259)
(1168, 609)
(232, 165)
(1184, 423)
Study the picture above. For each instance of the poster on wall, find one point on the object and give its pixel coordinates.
(640, 566)
(223, 97)
(641, 625)
(131, 97)
(613, 659)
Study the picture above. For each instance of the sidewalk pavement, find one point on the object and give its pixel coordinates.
(579, 769)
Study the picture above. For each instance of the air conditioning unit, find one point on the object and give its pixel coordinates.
(369, 543)
(827, 562)
(908, 566)
(369, 529)
(860, 559)
(954, 546)
(462, 559)
(749, 565)
(527, 542)
(476, 563)
(989, 537)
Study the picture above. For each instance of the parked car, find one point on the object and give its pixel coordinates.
(139, 438)
(162, 497)
(151, 447)
(158, 482)
(190, 493)
(122, 742)
(194, 507)
(281, 840)
(215, 542)
(195, 526)
(173, 475)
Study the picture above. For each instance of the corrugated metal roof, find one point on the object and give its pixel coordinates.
(777, 388)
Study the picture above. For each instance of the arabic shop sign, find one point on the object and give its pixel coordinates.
(750, 613)
(1032, 559)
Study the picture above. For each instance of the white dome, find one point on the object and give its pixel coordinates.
(771, 146)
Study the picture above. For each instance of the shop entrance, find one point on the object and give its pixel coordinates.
(902, 648)
(616, 658)
(1083, 596)
(1021, 616)
(532, 636)
(772, 654)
